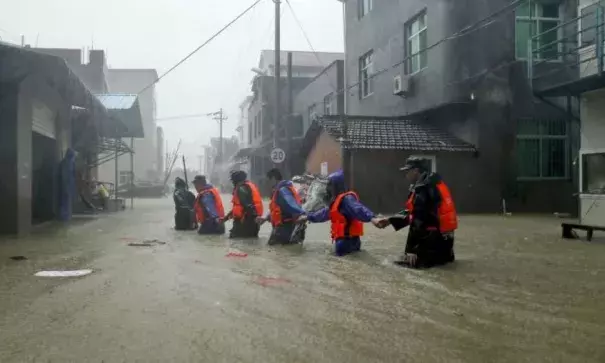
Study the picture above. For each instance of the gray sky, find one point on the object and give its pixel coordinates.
(137, 34)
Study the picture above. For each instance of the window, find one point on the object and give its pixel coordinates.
(588, 24)
(365, 6)
(533, 18)
(312, 113)
(416, 54)
(366, 69)
(328, 104)
(542, 149)
(125, 177)
(593, 173)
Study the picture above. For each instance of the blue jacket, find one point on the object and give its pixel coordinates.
(208, 203)
(286, 201)
(350, 207)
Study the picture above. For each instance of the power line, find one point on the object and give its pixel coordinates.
(227, 26)
(480, 24)
(181, 117)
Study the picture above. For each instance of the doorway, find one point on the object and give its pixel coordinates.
(44, 180)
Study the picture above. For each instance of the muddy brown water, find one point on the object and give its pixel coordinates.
(518, 293)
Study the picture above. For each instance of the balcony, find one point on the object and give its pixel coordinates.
(573, 62)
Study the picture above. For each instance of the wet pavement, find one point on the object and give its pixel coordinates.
(518, 293)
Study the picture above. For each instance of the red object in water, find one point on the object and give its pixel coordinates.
(271, 281)
(237, 254)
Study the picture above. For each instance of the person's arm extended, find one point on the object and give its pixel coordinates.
(245, 196)
(288, 204)
(351, 208)
(319, 216)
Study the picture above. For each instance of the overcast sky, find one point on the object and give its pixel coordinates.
(157, 34)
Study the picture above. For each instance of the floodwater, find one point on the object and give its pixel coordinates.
(518, 293)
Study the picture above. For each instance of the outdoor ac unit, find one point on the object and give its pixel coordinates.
(402, 85)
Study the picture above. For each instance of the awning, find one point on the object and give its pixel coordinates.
(125, 109)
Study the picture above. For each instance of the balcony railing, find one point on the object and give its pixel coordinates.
(573, 62)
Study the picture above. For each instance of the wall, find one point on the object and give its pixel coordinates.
(16, 148)
(383, 187)
(145, 159)
(592, 110)
(326, 149)
(473, 79)
(328, 82)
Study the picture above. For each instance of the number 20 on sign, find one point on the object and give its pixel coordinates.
(278, 155)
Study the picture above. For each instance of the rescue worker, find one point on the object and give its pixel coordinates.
(209, 210)
(284, 209)
(431, 216)
(247, 205)
(184, 217)
(347, 215)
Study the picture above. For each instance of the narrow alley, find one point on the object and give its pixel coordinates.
(516, 293)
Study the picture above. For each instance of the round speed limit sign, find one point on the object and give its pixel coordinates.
(278, 155)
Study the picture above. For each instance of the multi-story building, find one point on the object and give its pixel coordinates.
(567, 62)
(146, 166)
(465, 72)
(305, 67)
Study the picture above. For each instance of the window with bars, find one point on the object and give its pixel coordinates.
(537, 18)
(366, 70)
(416, 33)
(365, 6)
(542, 149)
(328, 104)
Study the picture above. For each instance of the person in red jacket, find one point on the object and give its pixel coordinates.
(431, 216)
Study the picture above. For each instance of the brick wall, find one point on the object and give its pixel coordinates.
(326, 149)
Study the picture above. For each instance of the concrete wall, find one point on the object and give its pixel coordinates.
(326, 149)
(477, 69)
(592, 110)
(383, 188)
(328, 82)
(145, 159)
(16, 149)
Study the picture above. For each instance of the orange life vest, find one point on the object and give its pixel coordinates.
(341, 227)
(446, 211)
(239, 211)
(199, 211)
(275, 210)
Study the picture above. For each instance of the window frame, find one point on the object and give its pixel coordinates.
(409, 37)
(362, 11)
(535, 22)
(328, 103)
(368, 68)
(582, 172)
(128, 175)
(541, 137)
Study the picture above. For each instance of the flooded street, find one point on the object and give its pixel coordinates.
(517, 293)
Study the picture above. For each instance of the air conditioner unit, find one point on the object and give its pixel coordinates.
(402, 85)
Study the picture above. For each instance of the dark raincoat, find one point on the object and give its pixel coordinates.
(247, 227)
(184, 217)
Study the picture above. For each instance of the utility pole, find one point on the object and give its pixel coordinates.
(221, 118)
(277, 115)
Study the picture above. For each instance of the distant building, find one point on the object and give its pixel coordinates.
(305, 67)
(160, 149)
(146, 166)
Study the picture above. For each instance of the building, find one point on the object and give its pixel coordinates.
(305, 67)
(372, 149)
(146, 166)
(570, 67)
(466, 73)
(50, 121)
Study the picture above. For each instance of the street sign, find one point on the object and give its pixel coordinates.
(278, 155)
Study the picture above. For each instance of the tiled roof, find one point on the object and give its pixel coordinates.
(363, 132)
